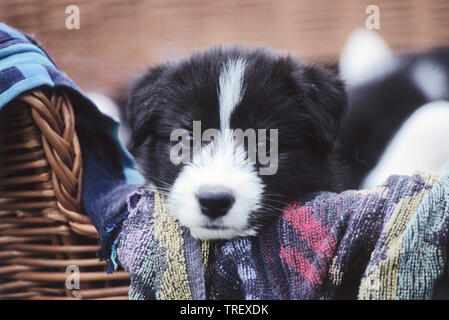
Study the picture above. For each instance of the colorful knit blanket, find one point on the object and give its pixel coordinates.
(390, 242)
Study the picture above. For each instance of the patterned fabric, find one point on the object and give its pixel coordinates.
(390, 242)
(164, 261)
(109, 172)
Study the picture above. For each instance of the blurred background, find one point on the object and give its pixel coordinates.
(117, 39)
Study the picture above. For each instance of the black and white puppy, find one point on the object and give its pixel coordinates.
(218, 193)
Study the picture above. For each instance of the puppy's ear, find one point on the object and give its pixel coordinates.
(141, 105)
(323, 95)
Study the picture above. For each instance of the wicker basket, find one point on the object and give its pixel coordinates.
(43, 229)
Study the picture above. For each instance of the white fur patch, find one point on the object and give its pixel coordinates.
(420, 144)
(230, 89)
(364, 58)
(220, 163)
(431, 79)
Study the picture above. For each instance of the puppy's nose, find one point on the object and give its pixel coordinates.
(215, 203)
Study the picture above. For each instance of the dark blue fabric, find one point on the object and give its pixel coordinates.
(8, 77)
(105, 190)
(4, 36)
(8, 43)
(109, 174)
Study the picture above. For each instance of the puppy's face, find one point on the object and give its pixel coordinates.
(218, 192)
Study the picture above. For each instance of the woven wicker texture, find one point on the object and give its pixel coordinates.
(43, 229)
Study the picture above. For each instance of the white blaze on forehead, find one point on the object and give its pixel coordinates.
(230, 89)
(220, 163)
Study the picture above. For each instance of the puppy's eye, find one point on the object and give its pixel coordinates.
(267, 147)
(187, 141)
(264, 146)
(260, 145)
